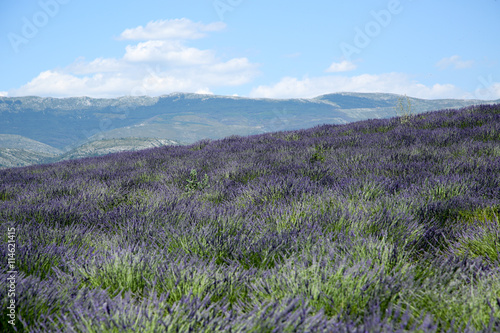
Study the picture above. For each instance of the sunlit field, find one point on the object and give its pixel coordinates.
(381, 225)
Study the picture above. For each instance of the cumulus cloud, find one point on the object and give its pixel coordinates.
(4, 94)
(454, 61)
(163, 51)
(59, 83)
(180, 29)
(99, 65)
(140, 80)
(152, 67)
(343, 66)
(397, 83)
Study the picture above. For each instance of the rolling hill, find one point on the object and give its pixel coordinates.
(65, 124)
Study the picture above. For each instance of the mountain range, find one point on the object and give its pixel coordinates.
(36, 130)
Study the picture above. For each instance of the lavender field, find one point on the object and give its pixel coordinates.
(375, 226)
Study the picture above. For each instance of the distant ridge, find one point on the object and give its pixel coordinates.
(57, 126)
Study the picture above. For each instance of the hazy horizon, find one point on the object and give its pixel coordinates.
(233, 96)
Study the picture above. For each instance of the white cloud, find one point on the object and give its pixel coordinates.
(99, 65)
(174, 53)
(454, 61)
(204, 91)
(491, 92)
(4, 94)
(152, 67)
(58, 83)
(397, 83)
(171, 29)
(140, 80)
(343, 66)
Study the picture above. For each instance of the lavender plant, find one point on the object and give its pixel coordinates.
(373, 226)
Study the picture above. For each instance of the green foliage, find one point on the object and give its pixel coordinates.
(382, 129)
(484, 242)
(245, 176)
(480, 214)
(149, 177)
(5, 196)
(215, 197)
(466, 301)
(193, 184)
(318, 155)
(292, 137)
(346, 133)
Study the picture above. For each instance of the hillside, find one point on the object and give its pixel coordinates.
(67, 123)
(110, 146)
(13, 157)
(19, 142)
(382, 225)
(16, 150)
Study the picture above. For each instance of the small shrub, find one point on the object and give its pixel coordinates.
(402, 111)
(193, 184)
(318, 155)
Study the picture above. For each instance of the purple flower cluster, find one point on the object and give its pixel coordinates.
(373, 226)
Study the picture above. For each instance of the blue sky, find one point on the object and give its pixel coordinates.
(273, 49)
